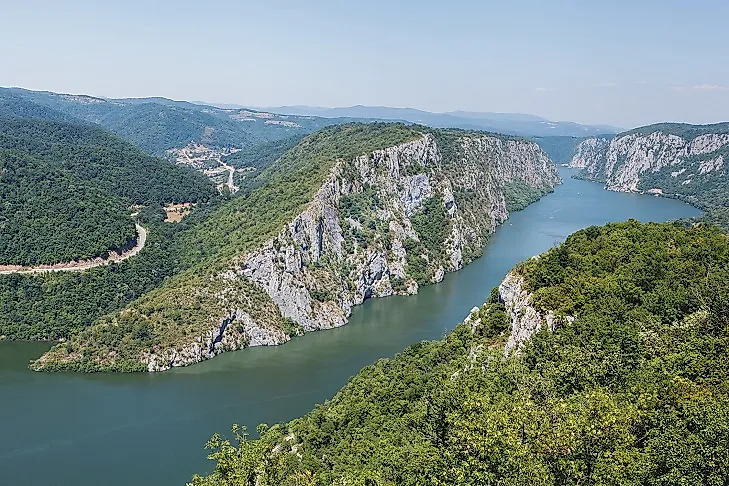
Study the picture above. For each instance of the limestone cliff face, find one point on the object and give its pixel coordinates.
(589, 153)
(525, 319)
(222, 338)
(655, 159)
(318, 254)
(362, 234)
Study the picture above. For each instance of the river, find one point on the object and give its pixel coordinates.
(75, 429)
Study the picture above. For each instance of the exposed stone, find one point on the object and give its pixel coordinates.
(525, 319)
(235, 331)
(315, 270)
(622, 161)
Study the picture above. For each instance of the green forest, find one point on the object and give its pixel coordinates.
(66, 190)
(633, 392)
(262, 155)
(158, 124)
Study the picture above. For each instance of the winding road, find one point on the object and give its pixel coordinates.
(80, 266)
(233, 188)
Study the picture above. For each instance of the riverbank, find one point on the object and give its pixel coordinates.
(87, 429)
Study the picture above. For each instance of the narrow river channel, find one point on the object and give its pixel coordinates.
(75, 429)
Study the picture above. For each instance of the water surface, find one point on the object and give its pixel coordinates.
(107, 429)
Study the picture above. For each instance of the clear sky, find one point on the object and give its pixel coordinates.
(619, 62)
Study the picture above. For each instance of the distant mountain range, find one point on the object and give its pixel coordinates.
(158, 124)
(507, 123)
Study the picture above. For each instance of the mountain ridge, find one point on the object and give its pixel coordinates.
(352, 212)
(509, 123)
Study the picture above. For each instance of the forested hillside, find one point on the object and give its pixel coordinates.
(56, 305)
(67, 189)
(352, 212)
(632, 391)
(262, 155)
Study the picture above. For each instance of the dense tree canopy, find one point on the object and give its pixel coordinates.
(262, 155)
(65, 190)
(634, 391)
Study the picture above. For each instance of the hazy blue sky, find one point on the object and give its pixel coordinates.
(620, 62)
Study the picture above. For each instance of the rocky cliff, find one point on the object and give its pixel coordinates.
(365, 233)
(382, 223)
(524, 318)
(363, 237)
(665, 158)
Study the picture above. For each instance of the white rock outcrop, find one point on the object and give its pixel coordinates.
(236, 331)
(622, 162)
(525, 319)
(320, 266)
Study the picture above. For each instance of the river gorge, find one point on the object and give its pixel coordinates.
(116, 429)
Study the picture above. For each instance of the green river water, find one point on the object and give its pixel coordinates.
(149, 429)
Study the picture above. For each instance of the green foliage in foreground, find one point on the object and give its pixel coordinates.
(635, 391)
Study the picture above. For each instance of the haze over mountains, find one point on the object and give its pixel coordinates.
(507, 123)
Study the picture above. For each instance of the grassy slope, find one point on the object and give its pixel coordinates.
(634, 392)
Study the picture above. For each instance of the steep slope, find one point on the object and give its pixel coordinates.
(676, 160)
(352, 212)
(631, 390)
(66, 189)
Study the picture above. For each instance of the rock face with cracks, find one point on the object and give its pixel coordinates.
(525, 319)
(659, 159)
(325, 261)
(381, 223)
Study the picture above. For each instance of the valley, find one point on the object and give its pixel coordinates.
(237, 248)
(352, 212)
(85, 428)
(390, 244)
(210, 162)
